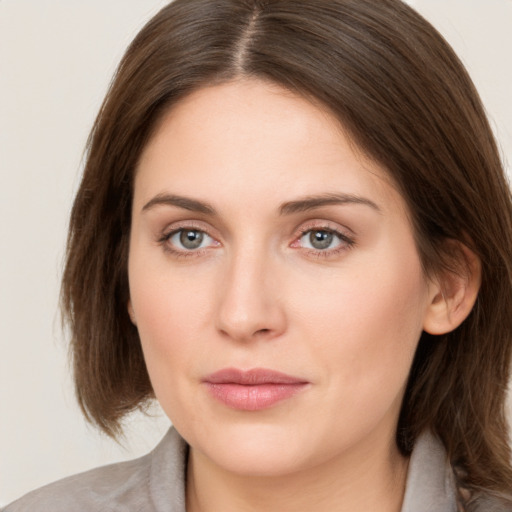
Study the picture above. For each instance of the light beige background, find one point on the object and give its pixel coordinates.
(56, 60)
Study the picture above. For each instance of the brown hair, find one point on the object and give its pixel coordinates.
(405, 98)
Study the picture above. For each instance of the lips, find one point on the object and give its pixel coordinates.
(254, 389)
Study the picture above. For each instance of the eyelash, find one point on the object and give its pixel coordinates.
(346, 242)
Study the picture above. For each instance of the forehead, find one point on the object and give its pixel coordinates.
(258, 141)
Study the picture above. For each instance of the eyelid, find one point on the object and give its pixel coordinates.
(194, 225)
(326, 225)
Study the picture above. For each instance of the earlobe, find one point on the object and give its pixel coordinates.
(131, 313)
(453, 294)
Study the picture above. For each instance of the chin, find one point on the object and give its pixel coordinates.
(250, 448)
(259, 456)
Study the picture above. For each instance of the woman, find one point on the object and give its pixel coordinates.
(294, 231)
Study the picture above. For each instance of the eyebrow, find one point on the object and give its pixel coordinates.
(312, 202)
(186, 203)
(290, 207)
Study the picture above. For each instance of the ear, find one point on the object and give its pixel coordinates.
(453, 293)
(131, 313)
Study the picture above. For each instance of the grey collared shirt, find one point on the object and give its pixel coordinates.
(156, 483)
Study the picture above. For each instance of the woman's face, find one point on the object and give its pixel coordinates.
(274, 281)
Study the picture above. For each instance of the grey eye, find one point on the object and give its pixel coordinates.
(320, 239)
(190, 239)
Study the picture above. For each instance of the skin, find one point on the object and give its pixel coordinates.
(257, 294)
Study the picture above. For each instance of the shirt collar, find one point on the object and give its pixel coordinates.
(430, 484)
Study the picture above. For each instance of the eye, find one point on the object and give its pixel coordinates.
(317, 239)
(189, 239)
(324, 240)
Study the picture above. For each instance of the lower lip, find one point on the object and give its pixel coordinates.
(253, 397)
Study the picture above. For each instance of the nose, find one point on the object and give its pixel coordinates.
(250, 304)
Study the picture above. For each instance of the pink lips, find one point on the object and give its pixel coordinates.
(252, 390)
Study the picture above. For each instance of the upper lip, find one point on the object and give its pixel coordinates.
(252, 377)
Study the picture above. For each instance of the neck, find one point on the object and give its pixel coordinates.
(368, 480)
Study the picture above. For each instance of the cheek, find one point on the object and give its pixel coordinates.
(169, 312)
(365, 328)
(166, 321)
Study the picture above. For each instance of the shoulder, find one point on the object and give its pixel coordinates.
(432, 484)
(103, 487)
(140, 484)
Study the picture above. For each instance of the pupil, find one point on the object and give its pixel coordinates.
(320, 239)
(191, 239)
